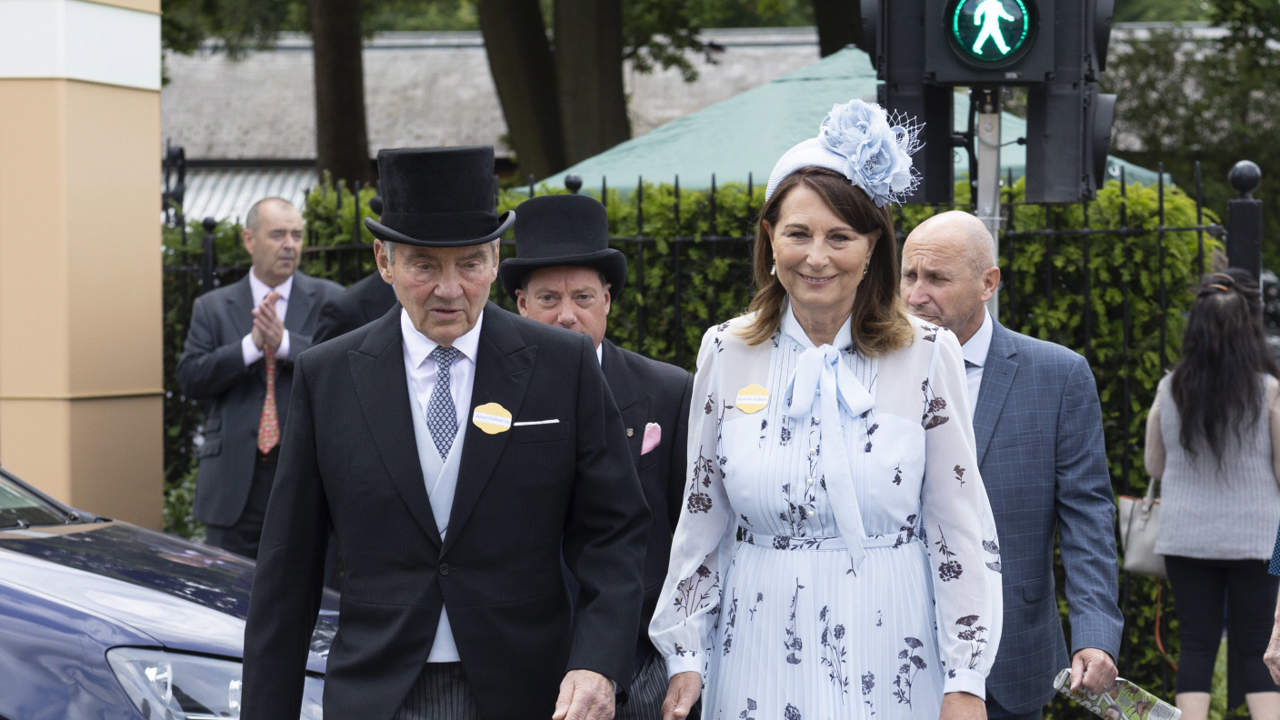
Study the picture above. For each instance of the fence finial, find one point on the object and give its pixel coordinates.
(573, 182)
(1245, 177)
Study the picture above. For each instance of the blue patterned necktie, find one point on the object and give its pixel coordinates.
(442, 417)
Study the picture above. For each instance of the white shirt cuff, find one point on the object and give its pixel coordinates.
(282, 352)
(249, 351)
(966, 680)
(677, 664)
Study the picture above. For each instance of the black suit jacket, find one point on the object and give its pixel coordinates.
(365, 301)
(212, 370)
(649, 391)
(523, 495)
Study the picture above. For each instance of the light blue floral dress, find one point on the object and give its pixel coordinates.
(828, 577)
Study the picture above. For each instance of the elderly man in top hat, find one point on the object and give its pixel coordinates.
(565, 274)
(458, 452)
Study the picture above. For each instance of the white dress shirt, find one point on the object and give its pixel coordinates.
(252, 353)
(420, 370)
(440, 474)
(975, 356)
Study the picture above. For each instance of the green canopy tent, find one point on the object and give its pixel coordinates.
(749, 132)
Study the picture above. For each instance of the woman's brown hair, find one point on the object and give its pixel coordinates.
(879, 319)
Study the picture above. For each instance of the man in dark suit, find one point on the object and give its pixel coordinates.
(366, 300)
(565, 274)
(238, 361)
(1041, 452)
(458, 452)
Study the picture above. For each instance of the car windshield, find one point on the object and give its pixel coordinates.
(21, 508)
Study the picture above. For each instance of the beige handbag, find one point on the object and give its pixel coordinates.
(1139, 526)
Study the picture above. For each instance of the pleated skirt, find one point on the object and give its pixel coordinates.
(800, 636)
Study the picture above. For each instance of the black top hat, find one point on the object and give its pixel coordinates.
(554, 230)
(438, 197)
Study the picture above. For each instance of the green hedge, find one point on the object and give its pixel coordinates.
(1046, 277)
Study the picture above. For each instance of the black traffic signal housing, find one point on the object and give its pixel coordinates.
(891, 36)
(1068, 119)
(923, 49)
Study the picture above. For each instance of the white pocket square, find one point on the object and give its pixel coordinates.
(527, 423)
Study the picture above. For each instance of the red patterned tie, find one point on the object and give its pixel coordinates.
(269, 424)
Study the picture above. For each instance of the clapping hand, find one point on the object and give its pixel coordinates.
(268, 328)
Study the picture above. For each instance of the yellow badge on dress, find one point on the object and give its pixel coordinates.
(491, 418)
(752, 399)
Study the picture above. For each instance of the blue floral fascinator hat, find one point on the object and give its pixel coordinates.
(864, 143)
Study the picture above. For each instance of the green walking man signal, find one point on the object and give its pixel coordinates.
(990, 32)
(988, 15)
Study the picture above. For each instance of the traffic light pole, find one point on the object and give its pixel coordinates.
(988, 188)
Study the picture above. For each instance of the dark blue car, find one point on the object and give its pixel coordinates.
(106, 620)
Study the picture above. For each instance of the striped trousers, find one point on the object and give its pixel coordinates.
(647, 691)
(440, 693)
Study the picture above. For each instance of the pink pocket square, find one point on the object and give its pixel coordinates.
(652, 436)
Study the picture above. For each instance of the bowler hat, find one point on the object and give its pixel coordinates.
(556, 230)
(438, 197)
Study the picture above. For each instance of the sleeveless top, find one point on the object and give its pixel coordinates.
(1227, 511)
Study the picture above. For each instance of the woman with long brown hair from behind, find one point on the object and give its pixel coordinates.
(1213, 443)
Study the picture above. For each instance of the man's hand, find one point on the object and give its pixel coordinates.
(268, 328)
(1272, 656)
(962, 706)
(584, 695)
(682, 693)
(1093, 669)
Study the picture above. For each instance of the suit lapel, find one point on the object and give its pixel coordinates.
(997, 377)
(377, 369)
(503, 365)
(240, 306)
(630, 401)
(300, 304)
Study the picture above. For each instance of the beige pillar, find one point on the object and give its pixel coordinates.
(80, 276)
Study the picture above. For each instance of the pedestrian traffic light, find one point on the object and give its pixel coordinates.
(989, 42)
(1068, 137)
(1055, 48)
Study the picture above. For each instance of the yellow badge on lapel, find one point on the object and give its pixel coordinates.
(752, 399)
(491, 418)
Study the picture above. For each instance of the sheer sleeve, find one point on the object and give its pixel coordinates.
(961, 530)
(689, 604)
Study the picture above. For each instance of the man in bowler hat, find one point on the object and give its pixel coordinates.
(565, 274)
(458, 452)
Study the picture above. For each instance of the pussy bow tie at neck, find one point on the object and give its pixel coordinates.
(821, 377)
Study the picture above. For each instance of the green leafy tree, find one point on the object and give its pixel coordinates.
(342, 145)
(1161, 10)
(1213, 102)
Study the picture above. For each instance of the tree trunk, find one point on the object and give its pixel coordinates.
(515, 40)
(839, 24)
(588, 56)
(342, 138)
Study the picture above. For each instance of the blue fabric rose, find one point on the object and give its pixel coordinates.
(874, 155)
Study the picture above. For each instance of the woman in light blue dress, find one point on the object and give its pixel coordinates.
(836, 556)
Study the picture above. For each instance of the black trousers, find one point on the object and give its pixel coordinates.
(242, 537)
(1202, 590)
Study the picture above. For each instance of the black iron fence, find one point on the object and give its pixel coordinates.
(1110, 278)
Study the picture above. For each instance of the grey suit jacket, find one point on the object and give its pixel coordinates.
(212, 370)
(1038, 426)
